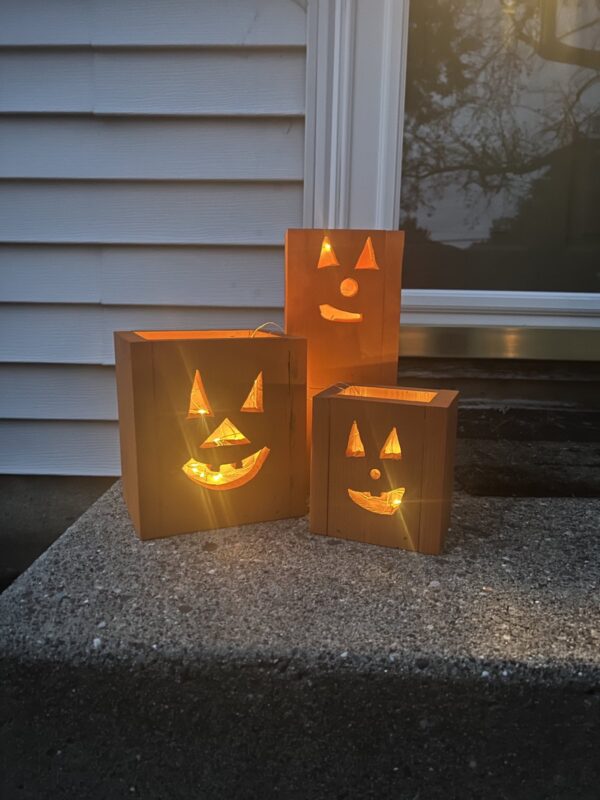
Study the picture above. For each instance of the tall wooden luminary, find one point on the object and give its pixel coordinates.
(342, 294)
(382, 465)
(212, 428)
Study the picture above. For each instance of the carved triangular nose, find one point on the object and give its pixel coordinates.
(225, 434)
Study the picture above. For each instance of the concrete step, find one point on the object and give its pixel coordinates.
(261, 661)
(35, 510)
(505, 468)
(506, 403)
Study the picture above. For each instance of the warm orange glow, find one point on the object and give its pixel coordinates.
(386, 503)
(383, 393)
(225, 434)
(349, 287)
(355, 447)
(337, 315)
(375, 474)
(327, 258)
(199, 405)
(366, 259)
(167, 336)
(254, 401)
(227, 476)
(391, 448)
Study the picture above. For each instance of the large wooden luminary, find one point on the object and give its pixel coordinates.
(342, 294)
(382, 465)
(212, 427)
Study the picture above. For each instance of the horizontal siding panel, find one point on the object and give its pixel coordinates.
(152, 22)
(65, 334)
(46, 81)
(38, 391)
(188, 82)
(59, 448)
(185, 149)
(138, 275)
(148, 212)
(51, 274)
(151, 159)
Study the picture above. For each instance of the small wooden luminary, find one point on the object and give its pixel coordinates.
(382, 465)
(342, 294)
(212, 427)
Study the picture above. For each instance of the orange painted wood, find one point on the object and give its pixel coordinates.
(438, 475)
(319, 466)
(155, 375)
(137, 442)
(364, 351)
(354, 491)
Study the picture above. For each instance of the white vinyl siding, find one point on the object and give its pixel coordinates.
(74, 334)
(153, 23)
(142, 275)
(85, 448)
(57, 391)
(130, 149)
(151, 159)
(147, 212)
(151, 82)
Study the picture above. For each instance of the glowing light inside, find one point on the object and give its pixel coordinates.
(386, 393)
(349, 287)
(333, 314)
(386, 503)
(366, 259)
(225, 434)
(391, 448)
(199, 404)
(226, 476)
(355, 447)
(254, 401)
(375, 474)
(327, 257)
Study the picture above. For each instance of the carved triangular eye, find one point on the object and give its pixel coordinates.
(391, 448)
(355, 447)
(366, 259)
(254, 401)
(327, 257)
(199, 405)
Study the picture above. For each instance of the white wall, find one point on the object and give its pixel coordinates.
(151, 158)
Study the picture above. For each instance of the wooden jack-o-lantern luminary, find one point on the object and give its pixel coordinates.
(382, 465)
(342, 294)
(212, 427)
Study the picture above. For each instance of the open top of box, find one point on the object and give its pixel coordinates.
(390, 393)
(438, 398)
(160, 336)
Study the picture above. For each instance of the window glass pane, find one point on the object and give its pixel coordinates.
(501, 168)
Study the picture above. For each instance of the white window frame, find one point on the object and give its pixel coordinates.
(356, 74)
(356, 61)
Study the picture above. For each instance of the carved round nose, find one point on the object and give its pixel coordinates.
(349, 287)
(375, 474)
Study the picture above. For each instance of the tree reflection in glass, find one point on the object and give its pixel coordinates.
(501, 168)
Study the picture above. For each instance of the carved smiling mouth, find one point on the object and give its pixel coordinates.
(334, 314)
(227, 476)
(385, 503)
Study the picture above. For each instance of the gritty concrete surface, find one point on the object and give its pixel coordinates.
(261, 661)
